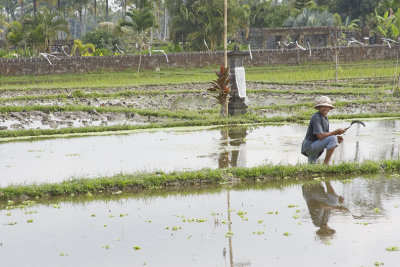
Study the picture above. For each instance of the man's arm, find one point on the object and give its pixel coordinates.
(322, 136)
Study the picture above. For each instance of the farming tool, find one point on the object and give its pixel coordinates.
(353, 122)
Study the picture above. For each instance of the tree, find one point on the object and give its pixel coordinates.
(142, 16)
(107, 19)
(268, 14)
(44, 27)
(15, 33)
(310, 18)
(10, 7)
(301, 4)
(141, 19)
(356, 9)
(21, 6)
(35, 6)
(385, 5)
(102, 38)
(389, 24)
(79, 6)
(194, 21)
(183, 19)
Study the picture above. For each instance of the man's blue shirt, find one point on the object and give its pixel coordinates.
(318, 124)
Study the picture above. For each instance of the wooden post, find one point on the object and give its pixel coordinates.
(226, 33)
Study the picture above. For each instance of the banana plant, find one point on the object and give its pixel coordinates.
(388, 24)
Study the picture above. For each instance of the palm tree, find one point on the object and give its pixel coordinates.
(21, 4)
(209, 17)
(15, 33)
(35, 6)
(106, 10)
(141, 20)
(182, 24)
(44, 27)
(95, 13)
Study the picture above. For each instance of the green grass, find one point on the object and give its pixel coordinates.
(309, 72)
(338, 104)
(267, 173)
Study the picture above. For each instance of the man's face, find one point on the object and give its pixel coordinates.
(324, 110)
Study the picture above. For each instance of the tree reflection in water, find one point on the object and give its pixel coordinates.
(236, 157)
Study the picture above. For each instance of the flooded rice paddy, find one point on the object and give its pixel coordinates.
(54, 160)
(348, 223)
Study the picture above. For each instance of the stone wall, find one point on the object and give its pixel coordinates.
(41, 66)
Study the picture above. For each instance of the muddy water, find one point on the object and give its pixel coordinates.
(59, 159)
(319, 224)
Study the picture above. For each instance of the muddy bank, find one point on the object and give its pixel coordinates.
(57, 120)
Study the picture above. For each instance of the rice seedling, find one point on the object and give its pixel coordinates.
(229, 234)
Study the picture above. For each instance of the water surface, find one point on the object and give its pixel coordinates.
(54, 160)
(319, 224)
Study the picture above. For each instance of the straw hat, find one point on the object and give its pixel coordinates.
(323, 101)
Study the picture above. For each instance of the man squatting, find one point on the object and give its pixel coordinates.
(318, 137)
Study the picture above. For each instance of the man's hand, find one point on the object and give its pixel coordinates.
(340, 131)
(340, 139)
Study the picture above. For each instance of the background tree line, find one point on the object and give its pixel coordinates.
(137, 25)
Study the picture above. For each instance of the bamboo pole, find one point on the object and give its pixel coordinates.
(225, 33)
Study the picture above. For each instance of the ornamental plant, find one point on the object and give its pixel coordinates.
(221, 86)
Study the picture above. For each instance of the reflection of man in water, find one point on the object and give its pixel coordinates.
(320, 203)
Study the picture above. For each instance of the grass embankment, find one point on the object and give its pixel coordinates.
(339, 104)
(267, 173)
(309, 72)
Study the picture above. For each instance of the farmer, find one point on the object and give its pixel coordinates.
(318, 136)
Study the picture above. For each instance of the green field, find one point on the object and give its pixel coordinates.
(276, 74)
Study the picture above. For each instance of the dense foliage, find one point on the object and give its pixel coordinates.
(137, 26)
